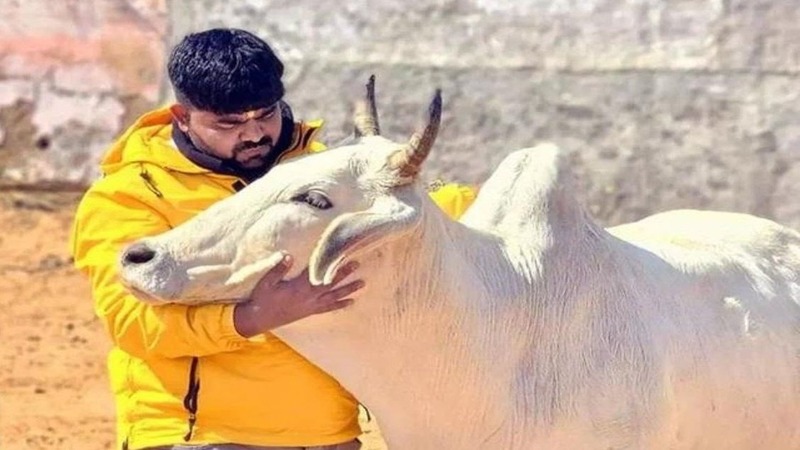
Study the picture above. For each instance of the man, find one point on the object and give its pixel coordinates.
(211, 376)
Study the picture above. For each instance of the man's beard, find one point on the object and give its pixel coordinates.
(253, 162)
(257, 159)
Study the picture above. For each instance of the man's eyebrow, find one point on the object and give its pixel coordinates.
(231, 118)
(242, 118)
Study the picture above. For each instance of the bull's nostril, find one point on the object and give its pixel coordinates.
(138, 254)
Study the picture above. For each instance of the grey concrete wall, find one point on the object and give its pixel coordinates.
(662, 103)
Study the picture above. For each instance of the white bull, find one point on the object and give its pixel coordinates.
(525, 325)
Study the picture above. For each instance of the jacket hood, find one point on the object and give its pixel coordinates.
(151, 140)
(148, 140)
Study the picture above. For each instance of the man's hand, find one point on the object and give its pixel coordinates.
(275, 302)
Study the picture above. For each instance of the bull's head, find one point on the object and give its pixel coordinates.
(321, 209)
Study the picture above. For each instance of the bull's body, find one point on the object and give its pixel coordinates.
(537, 329)
(526, 325)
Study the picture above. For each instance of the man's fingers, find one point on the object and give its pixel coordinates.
(334, 306)
(343, 273)
(303, 276)
(277, 273)
(340, 292)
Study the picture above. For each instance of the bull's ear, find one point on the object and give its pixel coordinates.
(358, 231)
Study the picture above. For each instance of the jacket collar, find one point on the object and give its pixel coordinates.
(223, 166)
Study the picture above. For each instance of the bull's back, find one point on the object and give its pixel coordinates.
(733, 353)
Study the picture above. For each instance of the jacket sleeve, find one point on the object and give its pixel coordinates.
(454, 199)
(104, 223)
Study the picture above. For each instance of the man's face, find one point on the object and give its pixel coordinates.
(244, 138)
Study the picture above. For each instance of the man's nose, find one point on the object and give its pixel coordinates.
(251, 132)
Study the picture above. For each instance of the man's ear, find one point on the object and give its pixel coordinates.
(181, 116)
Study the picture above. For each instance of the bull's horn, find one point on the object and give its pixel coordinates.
(365, 117)
(408, 160)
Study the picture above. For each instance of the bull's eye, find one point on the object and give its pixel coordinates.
(315, 199)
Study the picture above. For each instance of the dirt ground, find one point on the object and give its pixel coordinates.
(53, 386)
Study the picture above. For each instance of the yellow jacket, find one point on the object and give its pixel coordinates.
(257, 392)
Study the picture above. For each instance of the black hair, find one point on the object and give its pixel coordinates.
(224, 71)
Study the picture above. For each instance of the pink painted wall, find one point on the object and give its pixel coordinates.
(72, 75)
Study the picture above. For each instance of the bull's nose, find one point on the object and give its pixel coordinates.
(138, 254)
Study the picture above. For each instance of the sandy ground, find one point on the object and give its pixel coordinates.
(53, 386)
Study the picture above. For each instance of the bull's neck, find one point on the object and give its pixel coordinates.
(448, 316)
(427, 345)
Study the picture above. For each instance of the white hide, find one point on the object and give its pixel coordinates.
(526, 325)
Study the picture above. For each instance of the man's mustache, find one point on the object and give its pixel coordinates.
(248, 145)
